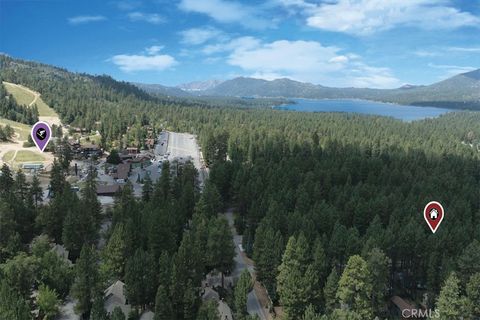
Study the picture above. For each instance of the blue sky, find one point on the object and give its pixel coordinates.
(361, 43)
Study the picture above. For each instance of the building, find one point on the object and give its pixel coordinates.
(123, 171)
(33, 167)
(115, 297)
(108, 190)
(88, 150)
(132, 150)
(401, 308)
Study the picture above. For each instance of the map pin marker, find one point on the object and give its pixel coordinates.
(41, 134)
(433, 214)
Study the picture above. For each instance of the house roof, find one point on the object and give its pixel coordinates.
(401, 304)
(115, 297)
(122, 171)
(210, 294)
(108, 189)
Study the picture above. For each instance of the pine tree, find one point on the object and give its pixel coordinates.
(115, 252)
(450, 303)
(12, 304)
(355, 288)
(48, 302)
(473, 296)
(117, 314)
(85, 286)
(310, 314)
(147, 188)
(378, 264)
(98, 310)
(36, 191)
(242, 288)
(163, 305)
(330, 291)
(297, 281)
(468, 262)
(208, 311)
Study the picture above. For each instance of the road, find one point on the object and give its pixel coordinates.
(182, 146)
(253, 304)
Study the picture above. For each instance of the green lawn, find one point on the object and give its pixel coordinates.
(25, 97)
(21, 95)
(7, 157)
(28, 156)
(20, 128)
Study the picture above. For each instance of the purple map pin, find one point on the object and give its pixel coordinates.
(41, 134)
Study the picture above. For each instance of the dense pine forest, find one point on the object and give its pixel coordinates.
(330, 207)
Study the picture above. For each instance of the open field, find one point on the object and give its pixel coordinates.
(29, 97)
(22, 156)
(8, 156)
(29, 156)
(22, 131)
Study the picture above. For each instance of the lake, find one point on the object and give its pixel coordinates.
(405, 113)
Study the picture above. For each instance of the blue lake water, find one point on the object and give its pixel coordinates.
(406, 113)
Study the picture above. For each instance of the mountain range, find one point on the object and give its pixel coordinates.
(461, 91)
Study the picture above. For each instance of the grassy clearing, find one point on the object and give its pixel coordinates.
(28, 156)
(95, 139)
(23, 130)
(25, 97)
(21, 95)
(7, 157)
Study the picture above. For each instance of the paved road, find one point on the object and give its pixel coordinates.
(182, 146)
(253, 304)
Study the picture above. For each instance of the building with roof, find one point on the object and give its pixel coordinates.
(402, 308)
(123, 171)
(115, 297)
(224, 311)
(108, 190)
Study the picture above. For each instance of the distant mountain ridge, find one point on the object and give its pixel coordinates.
(461, 91)
(200, 85)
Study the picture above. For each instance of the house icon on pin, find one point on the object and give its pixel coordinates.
(433, 214)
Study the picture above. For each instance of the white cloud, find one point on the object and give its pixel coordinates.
(465, 49)
(363, 17)
(242, 43)
(152, 18)
(153, 50)
(307, 61)
(85, 19)
(196, 36)
(426, 53)
(227, 12)
(152, 61)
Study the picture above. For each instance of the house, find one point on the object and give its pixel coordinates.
(433, 214)
(115, 297)
(402, 308)
(208, 294)
(108, 190)
(123, 171)
(132, 150)
(89, 149)
(214, 279)
(61, 251)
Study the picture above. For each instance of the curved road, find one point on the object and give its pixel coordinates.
(253, 304)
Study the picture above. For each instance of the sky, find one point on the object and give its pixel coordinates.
(343, 43)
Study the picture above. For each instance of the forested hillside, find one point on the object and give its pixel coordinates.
(330, 205)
